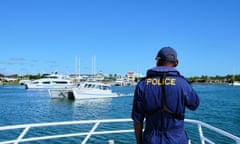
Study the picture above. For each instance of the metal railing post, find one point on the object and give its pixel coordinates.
(22, 135)
(201, 134)
(90, 133)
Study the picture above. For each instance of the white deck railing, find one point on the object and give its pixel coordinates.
(26, 127)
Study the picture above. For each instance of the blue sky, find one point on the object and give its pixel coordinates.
(43, 36)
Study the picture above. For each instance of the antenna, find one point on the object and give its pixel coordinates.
(78, 66)
(93, 67)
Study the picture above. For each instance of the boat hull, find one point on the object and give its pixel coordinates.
(61, 93)
(85, 94)
(236, 83)
(79, 94)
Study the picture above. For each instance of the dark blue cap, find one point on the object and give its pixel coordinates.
(167, 54)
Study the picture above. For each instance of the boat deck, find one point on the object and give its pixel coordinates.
(24, 129)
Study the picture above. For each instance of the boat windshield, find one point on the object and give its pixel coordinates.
(105, 87)
(97, 86)
(88, 86)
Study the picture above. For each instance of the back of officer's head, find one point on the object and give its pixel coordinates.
(167, 56)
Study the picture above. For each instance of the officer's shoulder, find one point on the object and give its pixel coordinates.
(142, 79)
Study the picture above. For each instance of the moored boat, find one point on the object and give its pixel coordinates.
(235, 83)
(52, 81)
(86, 90)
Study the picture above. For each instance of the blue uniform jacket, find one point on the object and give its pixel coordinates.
(162, 127)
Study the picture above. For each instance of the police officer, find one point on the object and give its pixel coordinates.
(160, 99)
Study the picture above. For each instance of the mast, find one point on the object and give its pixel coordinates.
(77, 66)
(93, 67)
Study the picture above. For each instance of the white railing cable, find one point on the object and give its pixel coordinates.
(219, 131)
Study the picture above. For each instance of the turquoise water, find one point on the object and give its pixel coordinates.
(219, 107)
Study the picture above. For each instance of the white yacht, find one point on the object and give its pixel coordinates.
(87, 90)
(52, 81)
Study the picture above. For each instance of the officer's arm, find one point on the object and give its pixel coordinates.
(138, 114)
(192, 99)
(138, 132)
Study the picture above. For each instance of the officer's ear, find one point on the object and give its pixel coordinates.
(159, 62)
(176, 63)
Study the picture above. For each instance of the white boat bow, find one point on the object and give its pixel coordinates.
(26, 128)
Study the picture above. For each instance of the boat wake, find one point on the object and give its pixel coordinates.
(124, 94)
